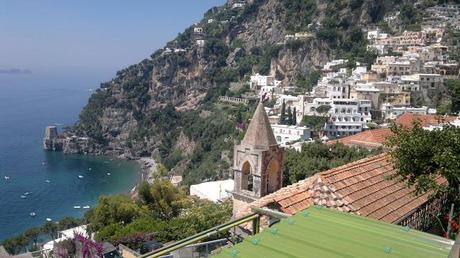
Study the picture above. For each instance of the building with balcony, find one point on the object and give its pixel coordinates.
(285, 134)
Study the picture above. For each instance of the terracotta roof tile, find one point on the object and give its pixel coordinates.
(367, 139)
(360, 187)
(407, 119)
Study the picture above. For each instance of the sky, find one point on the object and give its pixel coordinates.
(90, 34)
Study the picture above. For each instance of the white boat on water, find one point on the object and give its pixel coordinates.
(47, 181)
(26, 193)
(108, 173)
(48, 219)
(23, 196)
(76, 207)
(86, 207)
(80, 176)
(7, 178)
(89, 169)
(32, 214)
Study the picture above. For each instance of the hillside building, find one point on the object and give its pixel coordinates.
(346, 116)
(285, 134)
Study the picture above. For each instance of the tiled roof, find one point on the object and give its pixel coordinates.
(407, 119)
(367, 139)
(259, 133)
(361, 187)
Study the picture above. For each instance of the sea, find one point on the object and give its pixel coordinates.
(50, 184)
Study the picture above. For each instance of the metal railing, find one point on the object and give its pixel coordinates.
(255, 218)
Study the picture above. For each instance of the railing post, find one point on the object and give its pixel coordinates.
(256, 225)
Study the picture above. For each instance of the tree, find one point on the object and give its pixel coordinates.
(33, 233)
(283, 114)
(408, 14)
(163, 199)
(454, 91)
(316, 157)
(422, 158)
(323, 109)
(289, 116)
(51, 229)
(294, 116)
(316, 123)
(113, 209)
(198, 216)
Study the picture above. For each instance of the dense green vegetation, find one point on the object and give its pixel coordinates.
(449, 102)
(298, 14)
(422, 157)
(409, 15)
(316, 123)
(453, 87)
(163, 212)
(316, 157)
(307, 82)
(27, 241)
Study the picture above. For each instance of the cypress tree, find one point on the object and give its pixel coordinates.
(294, 117)
(289, 116)
(283, 114)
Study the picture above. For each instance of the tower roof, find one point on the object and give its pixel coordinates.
(259, 133)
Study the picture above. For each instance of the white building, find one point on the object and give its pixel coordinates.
(333, 64)
(346, 116)
(198, 30)
(410, 82)
(238, 5)
(285, 134)
(215, 191)
(373, 35)
(258, 81)
(64, 235)
(200, 42)
(392, 112)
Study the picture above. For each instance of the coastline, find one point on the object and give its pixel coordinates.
(147, 169)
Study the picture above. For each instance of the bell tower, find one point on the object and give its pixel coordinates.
(257, 162)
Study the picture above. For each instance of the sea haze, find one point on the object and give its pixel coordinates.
(28, 103)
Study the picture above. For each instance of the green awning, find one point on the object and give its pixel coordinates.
(325, 233)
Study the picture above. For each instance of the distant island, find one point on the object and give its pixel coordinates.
(14, 71)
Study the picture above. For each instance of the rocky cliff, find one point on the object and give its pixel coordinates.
(166, 105)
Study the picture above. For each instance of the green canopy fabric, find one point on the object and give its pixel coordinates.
(320, 232)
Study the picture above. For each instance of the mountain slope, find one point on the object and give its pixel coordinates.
(166, 106)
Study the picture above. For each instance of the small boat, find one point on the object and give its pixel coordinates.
(7, 178)
(26, 193)
(48, 219)
(47, 181)
(32, 214)
(23, 196)
(89, 169)
(80, 176)
(108, 173)
(76, 207)
(43, 163)
(86, 207)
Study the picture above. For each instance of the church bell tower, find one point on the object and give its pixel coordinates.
(257, 162)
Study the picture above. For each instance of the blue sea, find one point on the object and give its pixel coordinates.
(52, 183)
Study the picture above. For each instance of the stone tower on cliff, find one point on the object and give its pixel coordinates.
(257, 162)
(51, 139)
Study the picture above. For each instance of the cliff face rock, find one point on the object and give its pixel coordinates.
(143, 108)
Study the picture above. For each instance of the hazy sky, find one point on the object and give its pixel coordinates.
(99, 34)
